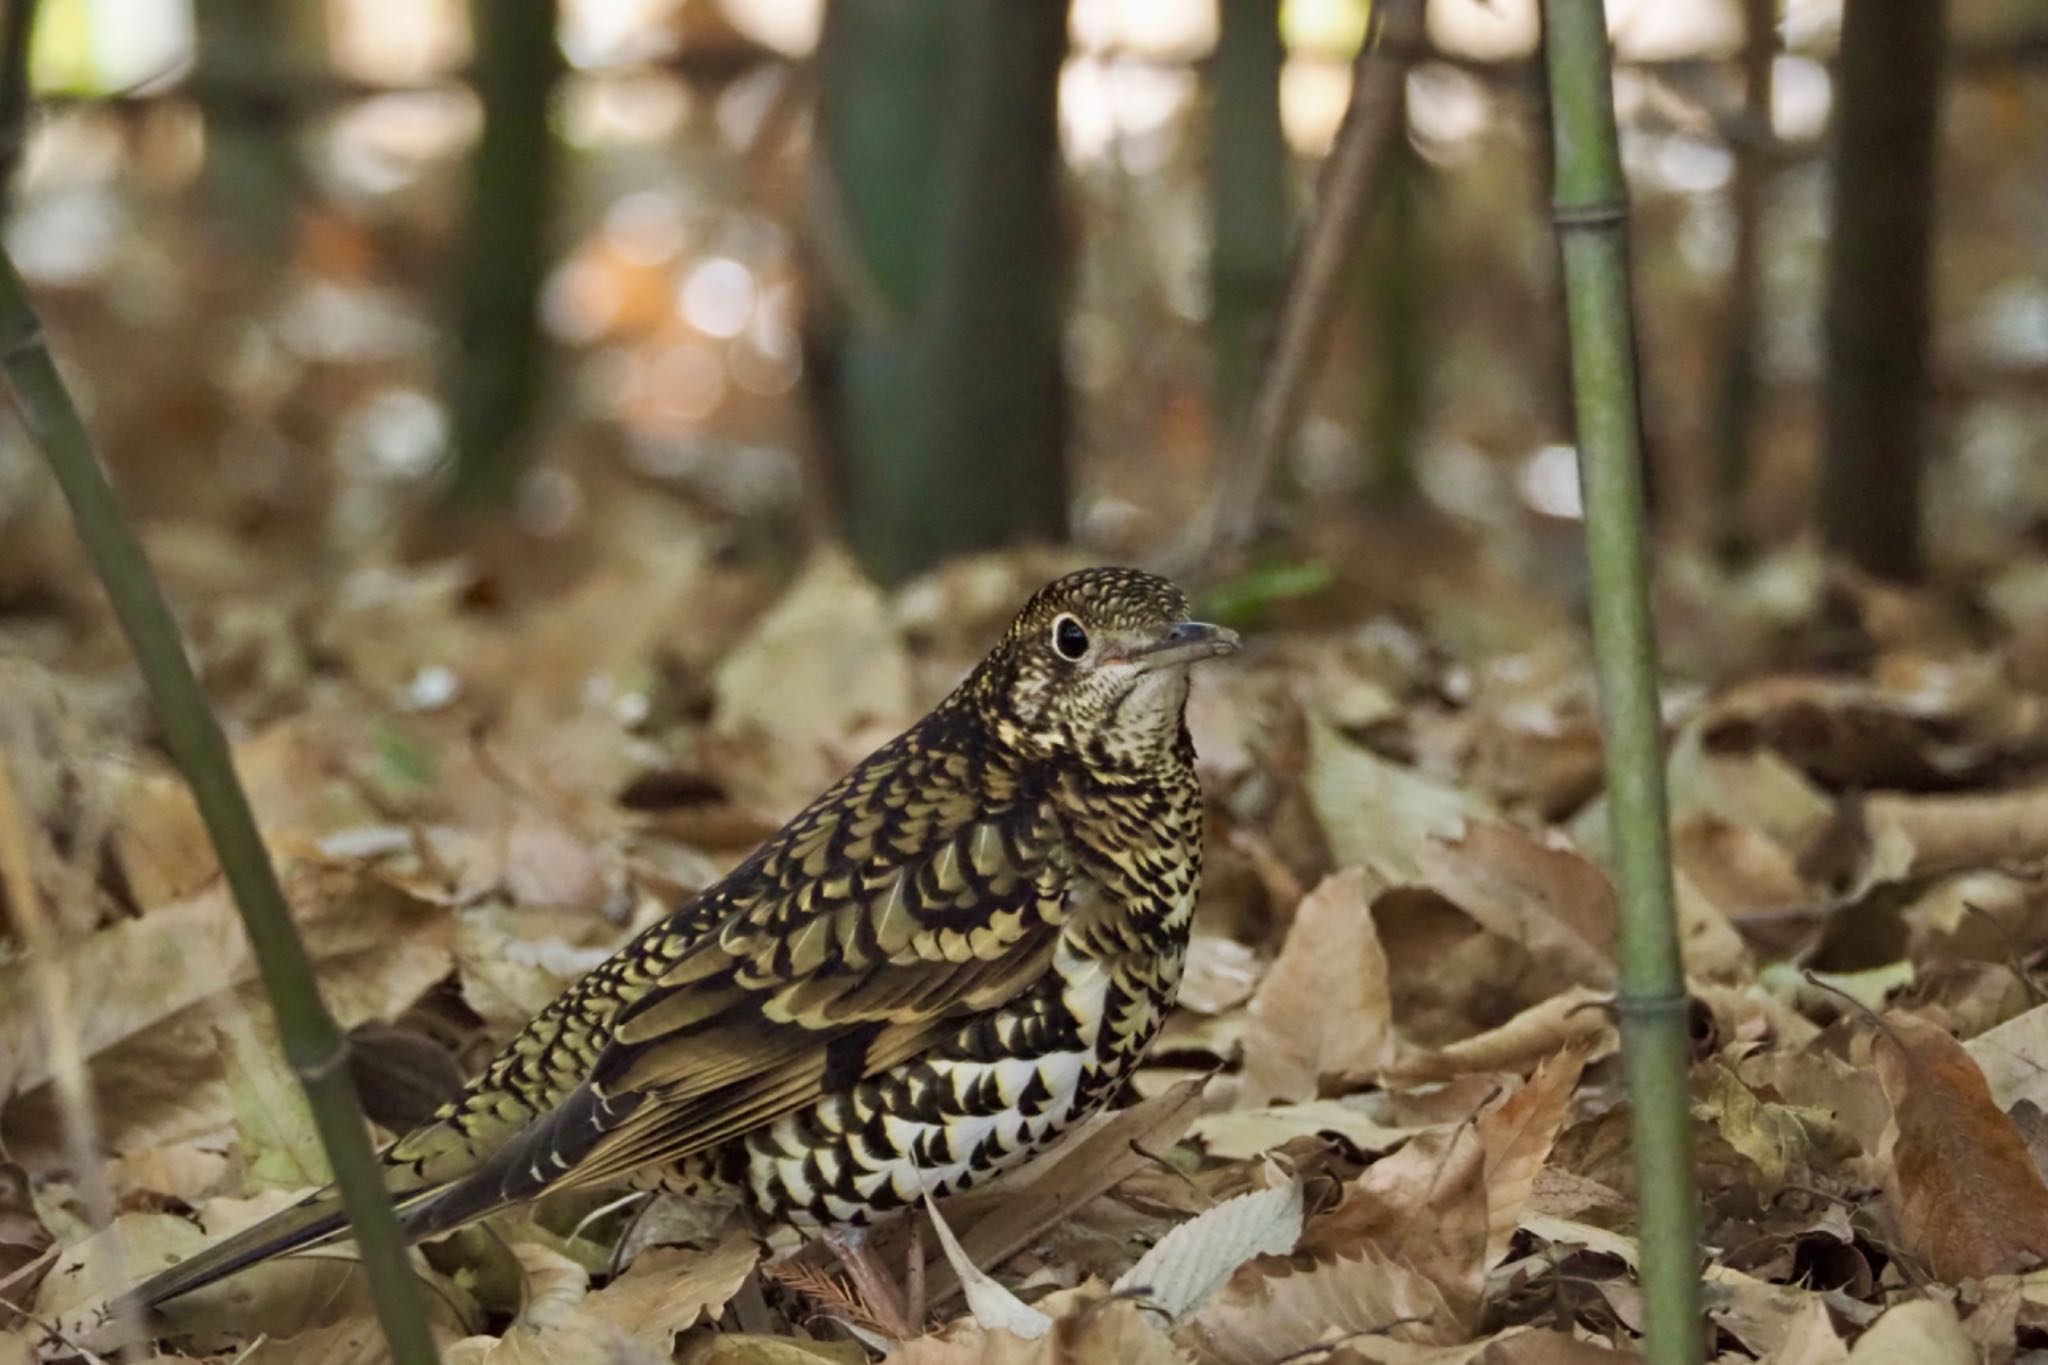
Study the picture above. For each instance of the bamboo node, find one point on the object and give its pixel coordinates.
(1603, 214)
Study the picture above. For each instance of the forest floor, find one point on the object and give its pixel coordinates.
(1387, 1122)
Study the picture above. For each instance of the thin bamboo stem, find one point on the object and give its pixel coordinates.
(315, 1048)
(1591, 212)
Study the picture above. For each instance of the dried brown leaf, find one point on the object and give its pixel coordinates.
(1552, 901)
(1967, 1196)
(1087, 1329)
(1424, 1208)
(1517, 1133)
(1323, 1008)
(1271, 1309)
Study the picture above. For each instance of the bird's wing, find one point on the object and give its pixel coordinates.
(892, 906)
(890, 909)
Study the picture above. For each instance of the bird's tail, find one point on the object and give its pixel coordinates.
(315, 1220)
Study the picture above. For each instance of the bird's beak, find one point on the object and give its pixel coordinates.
(1188, 642)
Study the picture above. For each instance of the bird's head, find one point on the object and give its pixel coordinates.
(1096, 666)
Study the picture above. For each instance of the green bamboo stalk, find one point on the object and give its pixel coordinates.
(1591, 212)
(315, 1048)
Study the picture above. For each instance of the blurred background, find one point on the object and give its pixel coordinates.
(356, 281)
(572, 434)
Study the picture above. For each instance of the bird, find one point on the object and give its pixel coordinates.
(955, 953)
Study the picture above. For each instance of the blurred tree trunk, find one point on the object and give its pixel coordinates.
(495, 369)
(251, 57)
(940, 134)
(1394, 272)
(1741, 383)
(1875, 393)
(1248, 175)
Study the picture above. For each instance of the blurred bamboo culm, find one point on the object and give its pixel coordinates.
(939, 229)
(1393, 289)
(1591, 214)
(1876, 390)
(252, 56)
(1248, 196)
(1741, 378)
(17, 28)
(312, 1045)
(496, 360)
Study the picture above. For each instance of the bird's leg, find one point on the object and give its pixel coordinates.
(913, 1274)
(877, 1288)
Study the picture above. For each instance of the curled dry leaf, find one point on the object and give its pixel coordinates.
(1323, 1008)
(1552, 901)
(1581, 1018)
(1239, 1134)
(1967, 1196)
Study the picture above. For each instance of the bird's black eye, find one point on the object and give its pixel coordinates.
(1069, 639)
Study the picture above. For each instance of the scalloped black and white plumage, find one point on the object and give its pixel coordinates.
(954, 953)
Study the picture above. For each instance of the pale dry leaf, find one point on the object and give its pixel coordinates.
(352, 1341)
(1552, 901)
(1712, 947)
(279, 1143)
(1324, 1008)
(2014, 1058)
(820, 667)
(1919, 1332)
(1517, 1133)
(72, 1297)
(1810, 1338)
(1761, 1315)
(1967, 1196)
(1193, 1260)
(1221, 974)
(1270, 1309)
(994, 1307)
(1376, 814)
(1757, 789)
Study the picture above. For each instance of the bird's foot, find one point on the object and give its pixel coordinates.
(899, 1314)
